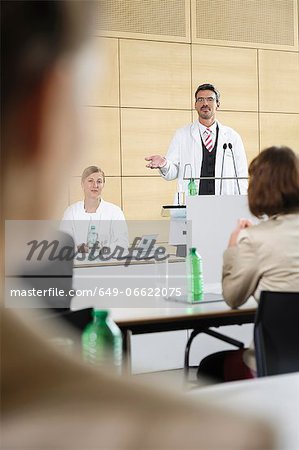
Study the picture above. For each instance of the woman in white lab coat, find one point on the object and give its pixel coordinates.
(107, 219)
(261, 257)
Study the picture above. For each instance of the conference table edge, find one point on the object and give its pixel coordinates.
(184, 322)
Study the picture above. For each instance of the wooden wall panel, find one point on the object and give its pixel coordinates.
(147, 132)
(146, 90)
(143, 197)
(100, 141)
(103, 90)
(279, 129)
(154, 74)
(279, 81)
(246, 124)
(111, 191)
(232, 70)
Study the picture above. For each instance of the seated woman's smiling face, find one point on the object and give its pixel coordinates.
(93, 186)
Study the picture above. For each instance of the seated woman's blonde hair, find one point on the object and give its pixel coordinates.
(90, 170)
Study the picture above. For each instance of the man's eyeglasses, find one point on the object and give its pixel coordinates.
(208, 99)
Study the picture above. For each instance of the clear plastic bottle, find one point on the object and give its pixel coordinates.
(102, 342)
(92, 237)
(195, 276)
(192, 188)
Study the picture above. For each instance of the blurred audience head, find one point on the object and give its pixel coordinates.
(39, 89)
(274, 182)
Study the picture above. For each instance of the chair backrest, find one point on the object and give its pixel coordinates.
(276, 333)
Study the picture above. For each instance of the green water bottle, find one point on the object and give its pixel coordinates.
(102, 342)
(92, 237)
(195, 277)
(192, 189)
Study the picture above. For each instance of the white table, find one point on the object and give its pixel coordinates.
(274, 399)
(167, 321)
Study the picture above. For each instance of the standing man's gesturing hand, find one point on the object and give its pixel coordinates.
(155, 161)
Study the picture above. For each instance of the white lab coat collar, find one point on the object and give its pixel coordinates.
(202, 128)
(195, 130)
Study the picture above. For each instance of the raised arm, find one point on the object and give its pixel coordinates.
(155, 161)
(169, 165)
(240, 275)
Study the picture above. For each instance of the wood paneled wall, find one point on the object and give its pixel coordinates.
(144, 91)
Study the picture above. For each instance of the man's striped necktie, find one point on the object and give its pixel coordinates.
(208, 141)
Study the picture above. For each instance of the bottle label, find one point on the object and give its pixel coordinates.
(102, 348)
(92, 238)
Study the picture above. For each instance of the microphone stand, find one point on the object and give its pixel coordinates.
(237, 178)
(222, 166)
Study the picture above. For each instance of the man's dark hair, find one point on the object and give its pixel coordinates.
(208, 87)
(274, 182)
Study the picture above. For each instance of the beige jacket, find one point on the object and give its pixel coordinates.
(266, 257)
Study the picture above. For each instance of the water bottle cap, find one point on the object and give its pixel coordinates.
(192, 249)
(93, 227)
(100, 313)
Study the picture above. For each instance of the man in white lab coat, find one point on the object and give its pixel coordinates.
(210, 148)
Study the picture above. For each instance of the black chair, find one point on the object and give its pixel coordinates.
(276, 333)
(209, 332)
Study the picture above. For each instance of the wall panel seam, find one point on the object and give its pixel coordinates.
(120, 124)
(156, 108)
(258, 99)
(100, 106)
(280, 112)
(191, 61)
(247, 48)
(146, 40)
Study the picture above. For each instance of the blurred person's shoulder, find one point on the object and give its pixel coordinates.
(46, 394)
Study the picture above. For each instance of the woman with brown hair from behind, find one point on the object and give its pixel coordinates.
(264, 256)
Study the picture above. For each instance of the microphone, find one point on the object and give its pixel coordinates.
(224, 148)
(236, 175)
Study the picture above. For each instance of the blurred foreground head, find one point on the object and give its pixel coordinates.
(42, 42)
(48, 400)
